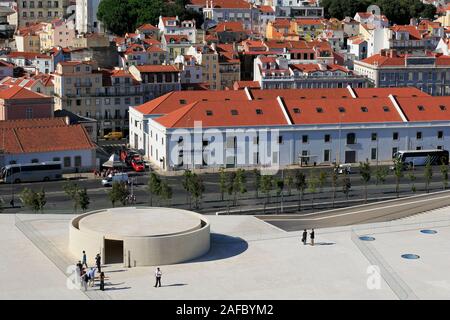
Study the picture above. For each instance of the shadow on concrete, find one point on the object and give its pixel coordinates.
(324, 244)
(115, 288)
(223, 247)
(175, 285)
(121, 270)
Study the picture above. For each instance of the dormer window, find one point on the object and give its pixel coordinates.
(364, 109)
(442, 107)
(259, 111)
(209, 112)
(296, 110)
(421, 108)
(182, 101)
(386, 109)
(341, 109)
(319, 110)
(234, 112)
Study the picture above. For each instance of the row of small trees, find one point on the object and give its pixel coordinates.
(234, 183)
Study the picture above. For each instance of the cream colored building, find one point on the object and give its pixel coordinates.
(32, 11)
(104, 95)
(208, 58)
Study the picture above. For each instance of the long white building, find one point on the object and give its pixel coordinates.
(250, 128)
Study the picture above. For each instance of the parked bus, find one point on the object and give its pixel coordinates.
(420, 157)
(29, 172)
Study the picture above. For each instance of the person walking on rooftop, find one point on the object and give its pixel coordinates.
(98, 262)
(312, 237)
(79, 268)
(85, 280)
(92, 277)
(84, 259)
(304, 236)
(158, 275)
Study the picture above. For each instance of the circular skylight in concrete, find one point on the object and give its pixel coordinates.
(428, 231)
(366, 238)
(410, 256)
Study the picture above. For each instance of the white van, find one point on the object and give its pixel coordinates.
(118, 177)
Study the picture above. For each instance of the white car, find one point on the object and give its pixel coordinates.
(118, 177)
(344, 168)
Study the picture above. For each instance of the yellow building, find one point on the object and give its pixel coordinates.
(308, 29)
(57, 33)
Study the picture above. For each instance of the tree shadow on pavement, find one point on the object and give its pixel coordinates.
(223, 247)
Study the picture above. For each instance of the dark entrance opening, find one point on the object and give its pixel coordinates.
(113, 251)
(350, 156)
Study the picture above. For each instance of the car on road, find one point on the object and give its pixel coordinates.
(115, 135)
(118, 177)
(137, 165)
(344, 168)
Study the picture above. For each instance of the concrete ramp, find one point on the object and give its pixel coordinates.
(368, 213)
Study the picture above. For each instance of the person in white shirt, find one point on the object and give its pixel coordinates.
(158, 275)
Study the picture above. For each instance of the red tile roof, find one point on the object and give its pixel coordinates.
(32, 123)
(431, 108)
(22, 138)
(27, 55)
(352, 112)
(384, 92)
(221, 114)
(147, 26)
(17, 93)
(414, 34)
(266, 9)
(176, 99)
(230, 26)
(157, 68)
(314, 67)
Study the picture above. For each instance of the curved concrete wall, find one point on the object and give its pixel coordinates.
(143, 250)
(80, 240)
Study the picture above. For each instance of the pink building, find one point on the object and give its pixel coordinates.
(20, 103)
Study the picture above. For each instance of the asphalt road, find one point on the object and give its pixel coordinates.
(57, 200)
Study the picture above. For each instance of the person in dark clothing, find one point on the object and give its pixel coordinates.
(158, 275)
(312, 237)
(102, 281)
(98, 262)
(79, 268)
(12, 203)
(304, 236)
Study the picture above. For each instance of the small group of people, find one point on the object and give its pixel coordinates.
(87, 275)
(131, 199)
(305, 236)
(105, 172)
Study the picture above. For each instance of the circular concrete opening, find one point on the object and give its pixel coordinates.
(410, 256)
(141, 236)
(366, 238)
(428, 231)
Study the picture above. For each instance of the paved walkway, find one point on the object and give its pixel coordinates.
(251, 259)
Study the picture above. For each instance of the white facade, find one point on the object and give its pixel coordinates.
(162, 142)
(86, 16)
(88, 161)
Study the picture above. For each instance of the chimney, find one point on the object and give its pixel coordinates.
(383, 52)
(392, 53)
